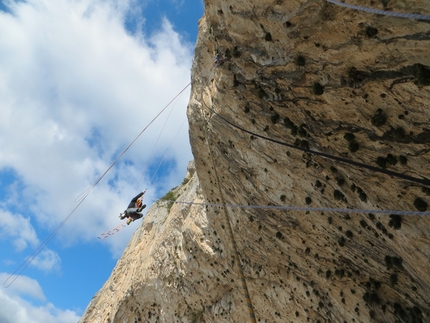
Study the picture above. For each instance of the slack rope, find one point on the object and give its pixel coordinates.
(36, 252)
(328, 156)
(109, 233)
(118, 228)
(305, 208)
(236, 255)
(83, 196)
(128, 147)
(164, 156)
(12, 277)
(381, 12)
(155, 145)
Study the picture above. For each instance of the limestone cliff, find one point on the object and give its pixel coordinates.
(324, 78)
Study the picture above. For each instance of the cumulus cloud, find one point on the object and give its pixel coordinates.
(18, 229)
(75, 88)
(15, 309)
(47, 260)
(24, 286)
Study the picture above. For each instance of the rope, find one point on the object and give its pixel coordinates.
(155, 145)
(80, 199)
(109, 233)
(295, 208)
(168, 148)
(305, 208)
(236, 256)
(381, 12)
(339, 159)
(128, 147)
(118, 228)
(36, 252)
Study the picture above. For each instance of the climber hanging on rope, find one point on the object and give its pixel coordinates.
(218, 60)
(134, 208)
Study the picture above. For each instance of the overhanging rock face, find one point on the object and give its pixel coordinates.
(323, 78)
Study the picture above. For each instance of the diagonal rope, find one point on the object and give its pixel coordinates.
(36, 252)
(423, 181)
(224, 206)
(156, 143)
(236, 254)
(88, 191)
(118, 228)
(305, 208)
(165, 154)
(381, 12)
(109, 233)
(12, 277)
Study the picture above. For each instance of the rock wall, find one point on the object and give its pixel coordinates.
(323, 78)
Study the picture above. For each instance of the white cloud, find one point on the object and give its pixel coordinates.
(22, 286)
(18, 229)
(46, 260)
(75, 89)
(17, 310)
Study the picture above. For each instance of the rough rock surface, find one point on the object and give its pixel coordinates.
(325, 78)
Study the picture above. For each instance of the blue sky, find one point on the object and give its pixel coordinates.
(79, 79)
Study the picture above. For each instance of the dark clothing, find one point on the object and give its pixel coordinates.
(133, 201)
(133, 214)
(218, 60)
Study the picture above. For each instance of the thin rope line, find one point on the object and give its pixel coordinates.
(381, 12)
(168, 148)
(304, 208)
(80, 200)
(229, 226)
(156, 143)
(134, 140)
(36, 252)
(424, 181)
(109, 233)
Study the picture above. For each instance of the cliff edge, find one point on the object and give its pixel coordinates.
(294, 78)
